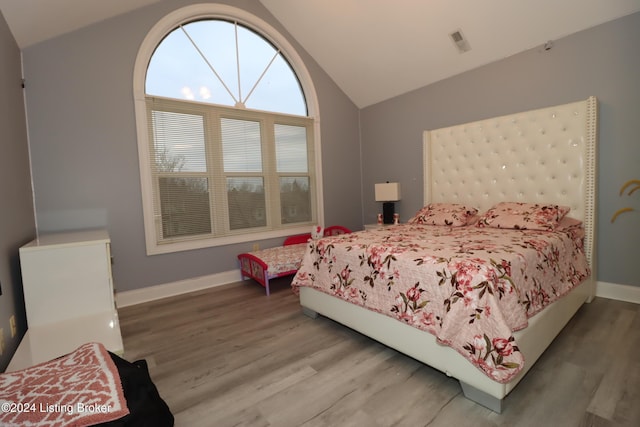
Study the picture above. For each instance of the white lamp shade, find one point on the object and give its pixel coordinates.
(388, 192)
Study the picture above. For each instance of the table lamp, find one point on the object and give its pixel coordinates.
(388, 193)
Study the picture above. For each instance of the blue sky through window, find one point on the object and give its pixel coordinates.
(199, 61)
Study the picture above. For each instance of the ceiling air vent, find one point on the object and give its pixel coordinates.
(460, 42)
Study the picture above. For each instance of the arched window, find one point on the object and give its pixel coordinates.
(224, 62)
(227, 132)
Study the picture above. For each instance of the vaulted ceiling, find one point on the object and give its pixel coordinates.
(373, 49)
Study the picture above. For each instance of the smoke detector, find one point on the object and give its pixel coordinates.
(460, 41)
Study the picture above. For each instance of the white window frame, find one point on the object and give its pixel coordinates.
(148, 46)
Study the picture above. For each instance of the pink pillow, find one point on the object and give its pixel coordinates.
(451, 214)
(572, 226)
(523, 216)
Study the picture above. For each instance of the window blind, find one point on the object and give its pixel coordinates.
(218, 171)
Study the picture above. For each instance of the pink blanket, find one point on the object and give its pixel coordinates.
(80, 389)
(470, 287)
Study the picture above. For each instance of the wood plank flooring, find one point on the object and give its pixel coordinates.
(230, 356)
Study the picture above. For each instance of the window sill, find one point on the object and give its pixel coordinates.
(154, 248)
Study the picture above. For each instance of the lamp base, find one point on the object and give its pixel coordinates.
(388, 209)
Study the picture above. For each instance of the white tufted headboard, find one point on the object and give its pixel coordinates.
(543, 156)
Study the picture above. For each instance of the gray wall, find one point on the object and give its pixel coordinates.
(17, 224)
(84, 152)
(603, 61)
(84, 146)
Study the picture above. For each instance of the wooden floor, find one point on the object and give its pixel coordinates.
(230, 356)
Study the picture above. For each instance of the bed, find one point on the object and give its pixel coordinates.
(544, 157)
(280, 261)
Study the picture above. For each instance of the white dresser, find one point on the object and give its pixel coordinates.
(69, 296)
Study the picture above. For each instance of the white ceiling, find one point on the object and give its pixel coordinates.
(373, 49)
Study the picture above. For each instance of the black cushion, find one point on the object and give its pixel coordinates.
(146, 407)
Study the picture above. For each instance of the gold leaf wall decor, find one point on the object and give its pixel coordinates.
(633, 185)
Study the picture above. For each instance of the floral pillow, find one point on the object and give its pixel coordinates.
(523, 216)
(451, 214)
(573, 227)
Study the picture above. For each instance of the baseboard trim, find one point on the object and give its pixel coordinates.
(165, 290)
(618, 292)
(614, 291)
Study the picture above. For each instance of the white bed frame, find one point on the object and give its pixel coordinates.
(546, 155)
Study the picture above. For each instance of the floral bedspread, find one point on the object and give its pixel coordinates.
(470, 287)
(282, 259)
